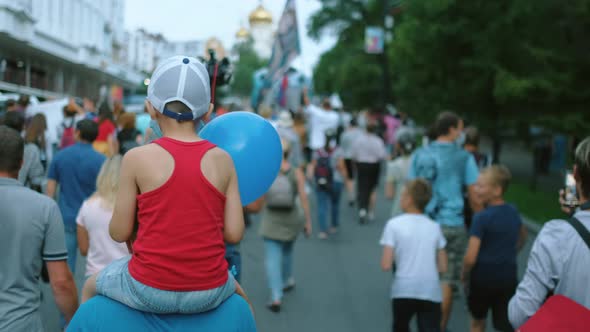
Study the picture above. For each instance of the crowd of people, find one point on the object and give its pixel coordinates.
(157, 212)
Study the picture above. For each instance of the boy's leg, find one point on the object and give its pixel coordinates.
(403, 310)
(500, 308)
(478, 303)
(273, 256)
(456, 244)
(429, 316)
(89, 288)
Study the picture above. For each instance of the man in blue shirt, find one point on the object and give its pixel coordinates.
(103, 314)
(75, 169)
(450, 170)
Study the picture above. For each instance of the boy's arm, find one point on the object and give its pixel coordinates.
(442, 261)
(233, 229)
(470, 256)
(121, 226)
(387, 258)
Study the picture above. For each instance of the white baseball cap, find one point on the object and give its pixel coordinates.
(184, 79)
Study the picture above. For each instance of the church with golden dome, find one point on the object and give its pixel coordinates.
(260, 29)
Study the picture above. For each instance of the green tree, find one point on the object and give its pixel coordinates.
(498, 63)
(248, 62)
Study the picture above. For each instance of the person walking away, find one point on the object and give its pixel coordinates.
(320, 120)
(299, 127)
(178, 263)
(94, 217)
(281, 223)
(367, 152)
(285, 129)
(128, 137)
(31, 174)
(106, 130)
(75, 169)
(489, 266)
(482, 161)
(328, 171)
(347, 139)
(416, 244)
(72, 113)
(32, 233)
(397, 172)
(450, 170)
(35, 134)
(559, 262)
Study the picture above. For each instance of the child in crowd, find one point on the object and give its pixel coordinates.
(417, 245)
(185, 193)
(489, 266)
(94, 217)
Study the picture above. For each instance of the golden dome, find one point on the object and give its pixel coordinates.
(260, 15)
(242, 33)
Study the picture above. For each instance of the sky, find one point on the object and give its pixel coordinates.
(180, 20)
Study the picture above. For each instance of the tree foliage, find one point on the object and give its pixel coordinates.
(248, 62)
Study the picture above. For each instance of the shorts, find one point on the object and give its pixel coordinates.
(482, 298)
(456, 245)
(116, 283)
(349, 164)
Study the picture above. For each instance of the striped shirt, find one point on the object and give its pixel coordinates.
(31, 231)
(559, 262)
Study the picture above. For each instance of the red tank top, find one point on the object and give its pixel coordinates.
(179, 244)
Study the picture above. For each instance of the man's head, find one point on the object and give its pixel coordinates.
(15, 120)
(449, 126)
(184, 80)
(11, 151)
(326, 104)
(285, 120)
(471, 137)
(86, 131)
(582, 168)
(492, 183)
(11, 105)
(416, 195)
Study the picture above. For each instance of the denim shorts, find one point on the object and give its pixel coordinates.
(115, 282)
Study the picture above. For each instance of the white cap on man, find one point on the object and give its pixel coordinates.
(184, 79)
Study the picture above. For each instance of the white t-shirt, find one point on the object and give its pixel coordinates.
(320, 121)
(415, 240)
(102, 249)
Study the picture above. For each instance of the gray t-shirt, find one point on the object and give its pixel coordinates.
(368, 148)
(31, 231)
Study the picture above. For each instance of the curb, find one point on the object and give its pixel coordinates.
(531, 226)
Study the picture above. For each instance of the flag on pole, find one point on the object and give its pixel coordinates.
(286, 45)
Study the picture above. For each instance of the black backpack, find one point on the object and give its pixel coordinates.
(324, 174)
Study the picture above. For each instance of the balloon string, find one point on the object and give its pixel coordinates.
(214, 84)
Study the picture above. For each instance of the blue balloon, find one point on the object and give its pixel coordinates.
(255, 147)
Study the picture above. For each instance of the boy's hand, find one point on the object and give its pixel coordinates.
(307, 229)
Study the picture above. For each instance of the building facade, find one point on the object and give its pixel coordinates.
(64, 47)
(262, 32)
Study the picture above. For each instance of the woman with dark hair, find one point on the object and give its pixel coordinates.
(35, 134)
(367, 152)
(106, 129)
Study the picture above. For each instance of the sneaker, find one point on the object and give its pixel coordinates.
(274, 307)
(289, 285)
(362, 216)
(322, 235)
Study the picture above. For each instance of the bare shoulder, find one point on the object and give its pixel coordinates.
(141, 153)
(221, 157)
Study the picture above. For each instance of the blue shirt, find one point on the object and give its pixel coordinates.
(498, 228)
(103, 314)
(449, 169)
(75, 168)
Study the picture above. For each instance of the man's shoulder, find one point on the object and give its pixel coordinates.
(31, 197)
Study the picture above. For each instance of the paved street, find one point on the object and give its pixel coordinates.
(339, 283)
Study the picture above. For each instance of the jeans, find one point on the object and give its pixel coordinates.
(234, 261)
(115, 282)
(329, 200)
(72, 246)
(429, 315)
(279, 263)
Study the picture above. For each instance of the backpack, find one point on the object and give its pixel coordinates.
(67, 137)
(282, 192)
(324, 175)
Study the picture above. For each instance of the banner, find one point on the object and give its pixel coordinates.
(286, 46)
(374, 39)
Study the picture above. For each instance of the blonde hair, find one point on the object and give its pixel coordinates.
(107, 182)
(500, 176)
